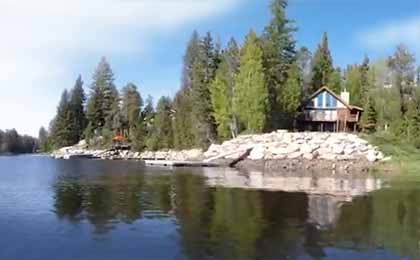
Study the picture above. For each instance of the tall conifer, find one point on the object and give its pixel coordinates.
(322, 65)
(279, 53)
(251, 95)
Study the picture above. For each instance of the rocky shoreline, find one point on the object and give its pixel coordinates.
(82, 150)
(277, 151)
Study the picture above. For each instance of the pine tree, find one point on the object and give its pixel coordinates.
(368, 121)
(413, 121)
(60, 130)
(303, 59)
(221, 101)
(291, 96)
(322, 65)
(131, 107)
(354, 84)
(364, 79)
(251, 95)
(191, 54)
(222, 90)
(184, 135)
(202, 74)
(78, 121)
(279, 53)
(335, 81)
(43, 140)
(162, 125)
(102, 97)
(143, 130)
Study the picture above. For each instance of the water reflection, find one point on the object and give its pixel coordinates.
(325, 195)
(224, 214)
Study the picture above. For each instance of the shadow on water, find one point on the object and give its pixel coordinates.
(224, 214)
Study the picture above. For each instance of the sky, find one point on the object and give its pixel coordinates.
(46, 44)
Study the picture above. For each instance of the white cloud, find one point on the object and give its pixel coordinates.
(40, 38)
(391, 34)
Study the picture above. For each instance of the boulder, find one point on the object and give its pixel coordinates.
(295, 155)
(328, 156)
(257, 153)
(308, 156)
(338, 149)
(308, 148)
(371, 156)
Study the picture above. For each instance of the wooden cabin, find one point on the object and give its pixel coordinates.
(326, 111)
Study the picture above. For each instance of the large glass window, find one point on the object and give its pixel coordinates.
(327, 100)
(319, 100)
(334, 102)
(330, 101)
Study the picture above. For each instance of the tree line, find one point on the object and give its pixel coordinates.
(13, 143)
(252, 87)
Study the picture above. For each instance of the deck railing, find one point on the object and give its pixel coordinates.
(327, 116)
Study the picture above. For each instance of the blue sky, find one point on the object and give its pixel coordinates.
(49, 42)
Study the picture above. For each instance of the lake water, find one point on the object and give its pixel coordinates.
(82, 209)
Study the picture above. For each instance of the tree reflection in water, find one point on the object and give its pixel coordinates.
(222, 214)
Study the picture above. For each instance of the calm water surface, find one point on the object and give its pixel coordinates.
(83, 209)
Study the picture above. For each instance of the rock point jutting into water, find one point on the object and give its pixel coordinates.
(273, 151)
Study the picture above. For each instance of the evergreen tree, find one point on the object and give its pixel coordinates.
(222, 91)
(251, 95)
(322, 65)
(303, 59)
(114, 120)
(291, 96)
(221, 101)
(131, 107)
(211, 57)
(364, 79)
(102, 97)
(12, 142)
(354, 85)
(143, 127)
(368, 121)
(149, 111)
(184, 128)
(413, 122)
(202, 73)
(334, 81)
(279, 53)
(43, 140)
(191, 54)
(184, 134)
(162, 137)
(78, 121)
(61, 132)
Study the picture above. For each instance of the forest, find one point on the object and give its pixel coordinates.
(228, 89)
(13, 143)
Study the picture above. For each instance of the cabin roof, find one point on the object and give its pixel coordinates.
(325, 88)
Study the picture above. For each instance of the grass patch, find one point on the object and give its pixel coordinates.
(405, 155)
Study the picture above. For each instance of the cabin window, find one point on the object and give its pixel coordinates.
(319, 100)
(330, 101)
(327, 100)
(334, 102)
